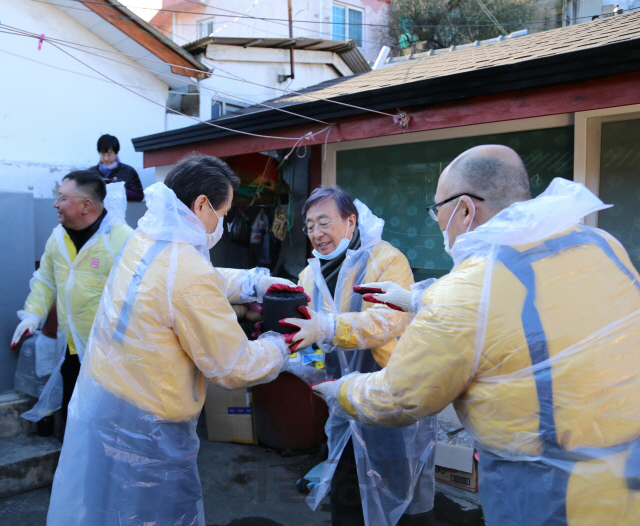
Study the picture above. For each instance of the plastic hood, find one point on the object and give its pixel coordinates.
(116, 203)
(168, 219)
(369, 224)
(561, 206)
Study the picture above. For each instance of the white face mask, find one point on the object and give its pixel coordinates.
(342, 246)
(215, 236)
(445, 234)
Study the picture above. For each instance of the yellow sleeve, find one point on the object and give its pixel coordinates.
(210, 334)
(43, 287)
(119, 236)
(432, 364)
(376, 325)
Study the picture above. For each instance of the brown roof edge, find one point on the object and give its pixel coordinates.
(148, 37)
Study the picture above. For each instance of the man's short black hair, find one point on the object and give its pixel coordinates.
(202, 175)
(90, 183)
(108, 142)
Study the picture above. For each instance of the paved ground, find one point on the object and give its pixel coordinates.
(242, 486)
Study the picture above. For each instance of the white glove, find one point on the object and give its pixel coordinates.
(387, 293)
(29, 325)
(318, 327)
(264, 282)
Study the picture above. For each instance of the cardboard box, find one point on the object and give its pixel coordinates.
(228, 415)
(456, 465)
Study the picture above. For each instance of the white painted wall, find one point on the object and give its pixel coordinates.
(51, 119)
(262, 66)
(185, 28)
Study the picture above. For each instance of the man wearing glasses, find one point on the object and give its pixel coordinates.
(533, 336)
(376, 476)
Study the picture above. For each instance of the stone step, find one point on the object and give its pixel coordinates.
(12, 405)
(26, 463)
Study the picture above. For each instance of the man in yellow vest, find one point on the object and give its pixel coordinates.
(73, 271)
(534, 337)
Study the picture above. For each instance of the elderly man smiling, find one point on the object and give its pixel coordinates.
(393, 468)
(534, 336)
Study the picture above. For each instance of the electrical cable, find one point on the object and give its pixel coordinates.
(69, 44)
(214, 90)
(299, 140)
(285, 22)
(159, 27)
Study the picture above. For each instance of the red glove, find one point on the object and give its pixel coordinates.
(311, 386)
(386, 293)
(258, 333)
(278, 287)
(289, 337)
(25, 336)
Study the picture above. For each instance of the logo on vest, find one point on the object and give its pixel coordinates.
(95, 263)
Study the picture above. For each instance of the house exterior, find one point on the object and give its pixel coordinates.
(55, 108)
(185, 21)
(581, 11)
(249, 70)
(568, 100)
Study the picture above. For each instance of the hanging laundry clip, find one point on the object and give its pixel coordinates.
(40, 41)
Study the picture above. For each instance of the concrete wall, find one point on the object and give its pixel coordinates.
(17, 263)
(54, 109)
(264, 65)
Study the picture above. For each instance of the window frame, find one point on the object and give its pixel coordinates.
(588, 146)
(202, 24)
(348, 8)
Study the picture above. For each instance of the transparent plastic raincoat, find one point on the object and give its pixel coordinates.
(535, 335)
(164, 324)
(75, 281)
(390, 462)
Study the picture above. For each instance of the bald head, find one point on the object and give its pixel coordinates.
(492, 171)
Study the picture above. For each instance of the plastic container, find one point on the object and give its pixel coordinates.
(288, 415)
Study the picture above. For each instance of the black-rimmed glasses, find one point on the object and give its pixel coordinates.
(433, 209)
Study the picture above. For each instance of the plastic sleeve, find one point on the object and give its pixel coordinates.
(330, 392)
(242, 285)
(43, 289)
(417, 289)
(210, 334)
(429, 368)
(377, 324)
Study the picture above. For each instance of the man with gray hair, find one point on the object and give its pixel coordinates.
(533, 336)
(377, 477)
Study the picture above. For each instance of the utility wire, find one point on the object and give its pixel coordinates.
(299, 140)
(214, 90)
(64, 42)
(493, 18)
(285, 22)
(160, 27)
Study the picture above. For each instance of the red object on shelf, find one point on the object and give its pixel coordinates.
(288, 415)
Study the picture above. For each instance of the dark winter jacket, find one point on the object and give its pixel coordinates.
(128, 175)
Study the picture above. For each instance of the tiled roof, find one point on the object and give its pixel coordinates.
(565, 55)
(509, 51)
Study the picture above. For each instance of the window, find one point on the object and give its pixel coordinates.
(347, 24)
(221, 107)
(620, 184)
(397, 182)
(205, 27)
